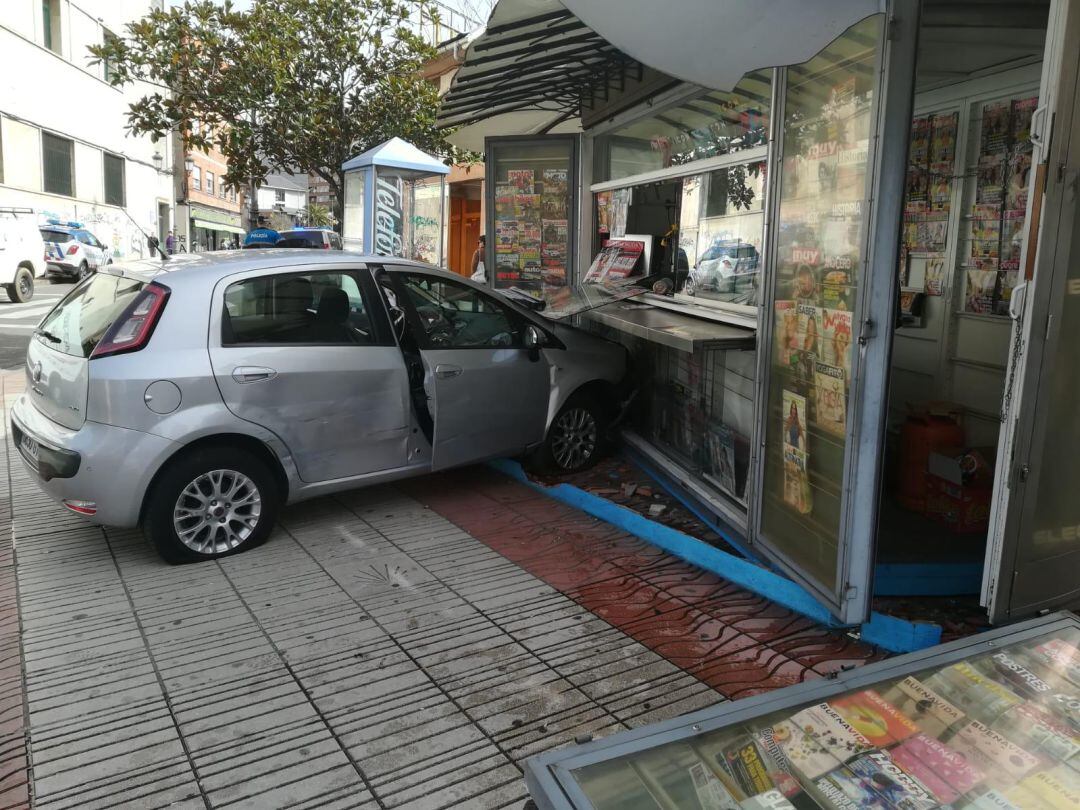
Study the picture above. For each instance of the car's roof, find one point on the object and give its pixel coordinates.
(209, 267)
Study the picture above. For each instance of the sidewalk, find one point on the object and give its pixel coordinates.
(390, 647)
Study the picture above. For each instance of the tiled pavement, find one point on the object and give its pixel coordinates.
(392, 647)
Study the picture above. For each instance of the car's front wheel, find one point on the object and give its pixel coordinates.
(211, 502)
(576, 437)
(84, 271)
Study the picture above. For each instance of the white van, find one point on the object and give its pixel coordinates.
(22, 253)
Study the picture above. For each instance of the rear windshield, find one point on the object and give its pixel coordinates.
(300, 240)
(81, 319)
(55, 236)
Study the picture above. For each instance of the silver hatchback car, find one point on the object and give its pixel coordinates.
(194, 396)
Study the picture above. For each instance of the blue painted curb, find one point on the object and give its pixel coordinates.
(890, 633)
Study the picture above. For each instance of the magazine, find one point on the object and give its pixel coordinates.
(940, 192)
(796, 475)
(919, 152)
(943, 138)
(980, 291)
(935, 275)
(787, 332)
(521, 179)
(506, 236)
(555, 196)
(555, 235)
(836, 339)
(1022, 110)
(829, 405)
(527, 207)
(1016, 190)
(990, 179)
(721, 441)
(995, 128)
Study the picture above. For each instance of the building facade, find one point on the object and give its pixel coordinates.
(64, 151)
(282, 200)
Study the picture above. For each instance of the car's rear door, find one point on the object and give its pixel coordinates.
(301, 352)
(489, 394)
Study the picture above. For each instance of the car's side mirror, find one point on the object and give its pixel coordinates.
(535, 340)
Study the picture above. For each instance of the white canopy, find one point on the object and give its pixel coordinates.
(538, 61)
(398, 154)
(714, 42)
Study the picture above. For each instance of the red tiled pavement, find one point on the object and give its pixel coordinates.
(736, 641)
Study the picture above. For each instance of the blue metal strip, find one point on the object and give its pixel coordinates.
(888, 632)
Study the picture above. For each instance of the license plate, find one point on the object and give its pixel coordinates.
(30, 449)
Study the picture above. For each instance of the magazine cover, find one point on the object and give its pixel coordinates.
(844, 790)
(917, 192)
(875, 718)
(1016, 191)
(940, 187)
(521, 179)
(945, 771)
(555, 195)
(919, 153)
(1061, 657)
(979, 297)
(1034, 729)
(901, 790)
(836, 339)
(995, 128)
(837, 289)
(527, 207)
(930, 711)
(786, 328)
(797, 480)
(555, 235)
(831, 730)
(1058, 787)
(789, 746)
(721, 441)
(943, 138)
(506, 235)
(1003, 762)
(990, 179)
(935, 275)
(710, 791)
(971, 691)
(829, 399)
(1022, 110)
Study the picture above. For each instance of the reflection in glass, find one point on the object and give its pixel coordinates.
(820, 226)
(711, 124)
(723, 224)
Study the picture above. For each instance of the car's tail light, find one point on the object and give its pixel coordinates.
(73, 250)
(132, 330)
(326, 246)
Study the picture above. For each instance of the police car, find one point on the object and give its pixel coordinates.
(71, 251)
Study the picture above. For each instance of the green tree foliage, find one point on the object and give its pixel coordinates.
(318, 216)
(297, 85)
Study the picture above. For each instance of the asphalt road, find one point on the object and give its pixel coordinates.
(17, 321)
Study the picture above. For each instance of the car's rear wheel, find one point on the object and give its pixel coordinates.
(209, 503)
(21, 289)
(576, 437)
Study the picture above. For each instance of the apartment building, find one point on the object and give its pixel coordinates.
(64, 149)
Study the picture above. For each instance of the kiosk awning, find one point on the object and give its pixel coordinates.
(539, 61)
(682, 332)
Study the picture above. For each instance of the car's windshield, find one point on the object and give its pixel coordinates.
(50, 235)
(300, 240)
(81, 319)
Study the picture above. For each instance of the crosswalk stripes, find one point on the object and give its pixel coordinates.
(24, 318)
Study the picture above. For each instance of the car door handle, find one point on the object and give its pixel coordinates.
(445, 372)
(252, 374)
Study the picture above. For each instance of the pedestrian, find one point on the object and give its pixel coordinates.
(476, 268)
(170, 243)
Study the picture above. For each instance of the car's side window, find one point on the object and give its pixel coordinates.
(456, 316)
(321, 308)
(84, 237)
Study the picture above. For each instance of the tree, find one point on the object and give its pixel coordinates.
(318, 216)
(301, 85)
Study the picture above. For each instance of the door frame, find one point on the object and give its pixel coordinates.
(1037, 329)
(868, 399)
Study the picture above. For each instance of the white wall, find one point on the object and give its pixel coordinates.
(294, 200)
(64, 94)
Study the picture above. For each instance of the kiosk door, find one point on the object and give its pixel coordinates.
(841, 138)
(1036, 563)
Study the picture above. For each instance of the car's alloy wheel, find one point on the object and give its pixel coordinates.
(26, 285)
(217, 512)
(84, 270)
(574, 438)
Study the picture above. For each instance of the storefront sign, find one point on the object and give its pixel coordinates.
(388, 216)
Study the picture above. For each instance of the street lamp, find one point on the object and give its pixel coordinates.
(189, 165)
(158, 157)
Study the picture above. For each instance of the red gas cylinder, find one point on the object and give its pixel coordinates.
(926, 430)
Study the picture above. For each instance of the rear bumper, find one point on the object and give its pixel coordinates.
(113, 468)
(61, 269)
